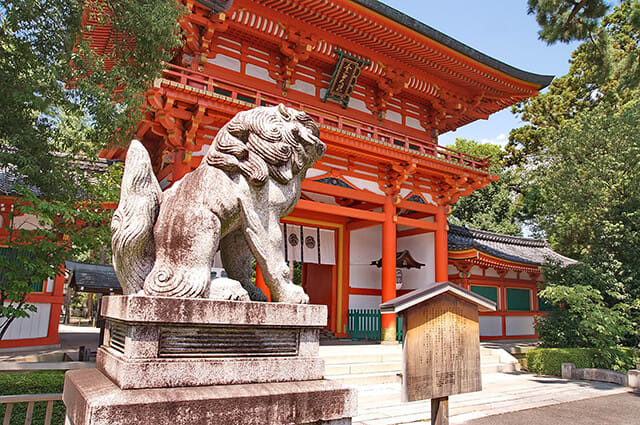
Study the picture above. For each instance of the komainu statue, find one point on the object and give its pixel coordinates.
(164, 243)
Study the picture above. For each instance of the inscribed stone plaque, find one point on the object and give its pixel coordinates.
(442, 349)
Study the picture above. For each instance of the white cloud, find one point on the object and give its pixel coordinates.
(501, 140)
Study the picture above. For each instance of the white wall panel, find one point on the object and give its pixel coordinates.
(492, 273)
(490, 325)
(394, 116)
(364, 302)
(414, 123)
(421, 248)
(35, 326)
(258, 72)
(519, 325)
(226, 62)
(475, 270)
(366, 246)
(304, 87)
(359, 105)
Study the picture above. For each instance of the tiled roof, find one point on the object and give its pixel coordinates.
(99, 278)
(530, 251)
(10, 177)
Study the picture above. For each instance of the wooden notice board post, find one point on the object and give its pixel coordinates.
(441, 349)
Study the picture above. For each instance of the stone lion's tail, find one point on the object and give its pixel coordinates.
(132, 224)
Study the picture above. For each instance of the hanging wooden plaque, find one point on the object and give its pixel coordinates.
(344, 78)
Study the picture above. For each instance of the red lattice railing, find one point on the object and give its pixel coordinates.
(209, 83)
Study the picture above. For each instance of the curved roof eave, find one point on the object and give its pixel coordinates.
(426, 30)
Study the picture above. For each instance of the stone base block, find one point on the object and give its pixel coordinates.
(162, 373)
(634, 379)
(155, 342)
(92, 399)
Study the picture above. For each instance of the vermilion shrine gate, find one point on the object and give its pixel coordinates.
(395, 84)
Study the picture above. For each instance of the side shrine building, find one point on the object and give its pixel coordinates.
(382, 87)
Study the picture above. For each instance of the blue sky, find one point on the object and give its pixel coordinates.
(501, 29)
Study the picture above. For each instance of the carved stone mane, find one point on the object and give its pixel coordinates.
(258, 144)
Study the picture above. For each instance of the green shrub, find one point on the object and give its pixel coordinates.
(548, 361)
(41, 382)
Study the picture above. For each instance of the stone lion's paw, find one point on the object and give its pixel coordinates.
(293, 294)
(227, 290)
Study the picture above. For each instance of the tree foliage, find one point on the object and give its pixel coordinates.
(580, 156)
(60, 97)
(57, 94)
(491, 208)
(567, 20)
(604, 69)
(54, 231)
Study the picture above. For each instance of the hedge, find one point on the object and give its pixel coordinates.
(548, 361)
(40, 382)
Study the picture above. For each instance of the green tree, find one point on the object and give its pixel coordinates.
(59, 97)
(567, 20)
(491, 208)
(604, 69)
(56, 92)
(588, 203)
(35, 249)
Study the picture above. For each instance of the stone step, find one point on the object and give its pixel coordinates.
(367, 378)
(358, 368)
(363, 358)
(499, 367)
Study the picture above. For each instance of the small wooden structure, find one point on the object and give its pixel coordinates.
(441, 351)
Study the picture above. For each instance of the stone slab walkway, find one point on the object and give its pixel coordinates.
(502, 393)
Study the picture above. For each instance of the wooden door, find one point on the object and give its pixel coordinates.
(317, 281)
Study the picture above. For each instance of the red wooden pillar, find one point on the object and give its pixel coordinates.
(441, 246)
(261, 284)
(181, 165)
(389, 267)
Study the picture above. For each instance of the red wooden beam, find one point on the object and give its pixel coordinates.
(305, 205)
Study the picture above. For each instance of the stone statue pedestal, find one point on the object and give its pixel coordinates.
(192, 361)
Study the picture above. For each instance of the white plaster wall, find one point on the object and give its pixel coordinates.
(394, 116)
(25, 222)
(358, 105)
(519, 325)
(414, 123)
(304, 87)
(364, 184)
(452, 270)
(511, 275)
(371, 302)
(34, 326)
(492, 273)
(421, 248)
(49, 285)
(258, 72)
(365, 247)
(226, 62)
(476, 271)
(490, 325)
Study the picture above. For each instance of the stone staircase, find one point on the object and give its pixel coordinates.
(358, 365)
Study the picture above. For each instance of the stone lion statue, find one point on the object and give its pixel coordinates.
(164, 243)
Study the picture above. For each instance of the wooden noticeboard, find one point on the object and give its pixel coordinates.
(441, 349)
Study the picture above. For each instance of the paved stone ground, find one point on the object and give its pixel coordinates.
(621, 409)
(502, 393)
(71, 337)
